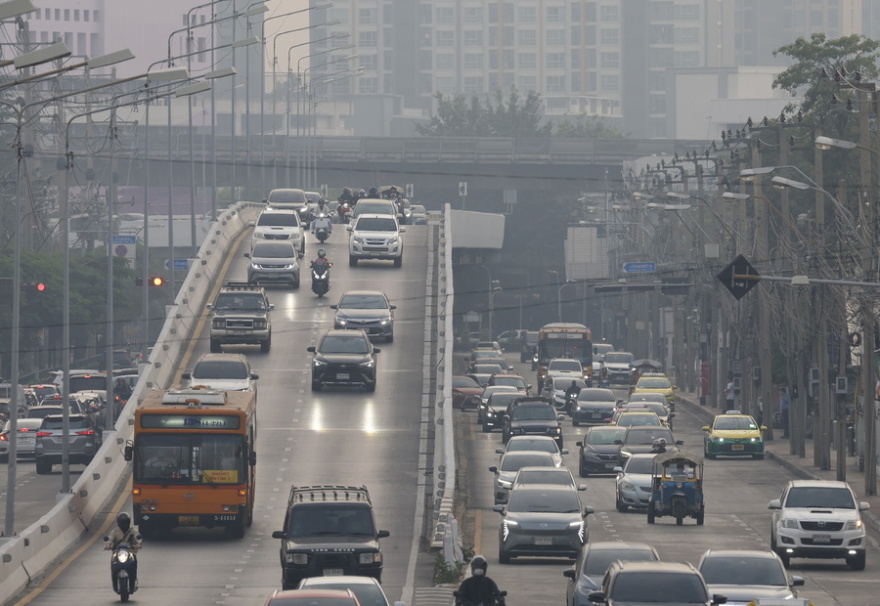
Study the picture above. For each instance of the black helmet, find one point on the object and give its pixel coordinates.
(322, 252)
(123, 520)
(479, 563)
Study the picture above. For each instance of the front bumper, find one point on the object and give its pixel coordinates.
(800, 543)
(734, 448)
(636, 497)
(344, 375)
(372, 250)
(285, 276)
(525, 542)
(373, 329)
(594, 463)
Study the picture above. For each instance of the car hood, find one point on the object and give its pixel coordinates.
(734, 434)
(374, 234)
(638, 448)
(363, 314)
(544, 521)
(740, 595)
(343, 358)
(273, 260)
(820, 513)
(224, 384)
(617, 365)
(277, 229)
(601, 448)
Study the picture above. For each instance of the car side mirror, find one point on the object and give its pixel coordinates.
(588, 510)
(679, 442)
(252, 457)
(265, 201)
(279, 534)
(334, 307)
(796, 581)
(248, 255)
(569, 573)
(402, 229)
(499, 509)
(209, 306)
(499, 451)
(348, 228)
(392, 307)
(376, 350)
(382, 534)
(705, 428)
(560, 417)
(186, 375)
(254, 376)
(252, 223)
(719, 599)
(578, 443)
(582, 486)
(777, 504)
(494, 469)
(563, 451)
(310, 349)
(863, 505)
(128, 452)
(271, 306)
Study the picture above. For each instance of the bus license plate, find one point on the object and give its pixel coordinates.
(188, 520)
(822, 538)
(737, 447)
(342, 376)
(333, 572)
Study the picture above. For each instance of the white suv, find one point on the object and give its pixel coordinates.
(375, 237)
(281, 224)
(818, 519)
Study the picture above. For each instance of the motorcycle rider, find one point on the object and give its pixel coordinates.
(321, 261)
(124, 534)
(346, 199)
(571, 393)
(373, 193)
(478, 588)
(324, 221)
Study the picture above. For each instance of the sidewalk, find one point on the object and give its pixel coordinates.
(802, 467)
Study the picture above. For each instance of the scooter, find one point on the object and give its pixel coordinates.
(321, 234)
(321, 278)
(123, 570)
(344, 211)
(534, 361)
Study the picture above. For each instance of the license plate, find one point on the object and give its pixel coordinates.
(24, 440)
(543, 541)
(188, 520)
(333, 572)
(737, 447)
(342, 376)
(239, 332)
(821, 538)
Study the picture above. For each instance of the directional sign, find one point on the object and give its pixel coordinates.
(739, 277)
(645, 267)
(178, 264)
(131, 240)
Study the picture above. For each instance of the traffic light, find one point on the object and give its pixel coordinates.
(157, 281)
(40, 287)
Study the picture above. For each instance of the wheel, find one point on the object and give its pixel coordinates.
(390, 338)
(699, 518)
(650, 512)
(316, 386)
(486, 428)
(266, 345)
(504, 436)
(352, 261)
(575, 423)
(786, 559)
(621, 506)
(215, 346)
(857, 562)
(582, 469)
(295, 284)
(679, 521)
(398, 261)
(236, 531)
(289, 583)
(43, 467)
(503, 557)
(123, 593)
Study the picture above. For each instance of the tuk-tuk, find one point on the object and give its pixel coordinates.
(677, 487)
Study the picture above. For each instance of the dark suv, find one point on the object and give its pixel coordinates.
(532, 416)
(329, 531)
(84, 441)
(344, 357)
(659, 583)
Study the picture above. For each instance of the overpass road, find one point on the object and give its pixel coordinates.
(331, 437)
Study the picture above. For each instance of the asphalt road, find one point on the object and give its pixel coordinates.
(330, 437)
(736, 491)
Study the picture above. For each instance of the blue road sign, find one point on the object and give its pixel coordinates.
(645, 267)
(178, 264)
(125, 240)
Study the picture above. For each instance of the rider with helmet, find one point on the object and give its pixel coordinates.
(321, 260)
(124, 534)
(322, 220)
(478, 588)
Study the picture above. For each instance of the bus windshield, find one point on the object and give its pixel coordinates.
(189, 459)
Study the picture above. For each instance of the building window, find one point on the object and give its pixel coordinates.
(528, 61)
(473, 14)
(528, 14)
(575, 82)
(610, 35)
(555, 14)
(508, 56)
(445, 84)
(555, 84)
(368, 62)
(67, 14)
(575, 11)
(687, 12)
(57, 14)
(201, 46)
(687, 35)
(555, 60)
(576, 58)
(445, 14)
(575, 35)
(85, 15)
(610, 59)
(81, 47)
(96, 16)
(48, 14)
(508, 34)
(528, 37)
(555, 37)
(473, 37)
(368, 86)
(473, 61)
(527, 83)
(507, 12)
(609, 13)
(445, 38)
(473, 84)
(368, 39)
(445, 61)
(687, 59)
(610, 83)
(76, 14)
(368, 16)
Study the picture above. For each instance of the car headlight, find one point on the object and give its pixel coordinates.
(370, 558)
(393, 240)
(289, 266)
(755, 440)
(507, 526)
(557, 430)
(341, 321)
(316, 362)
(358, 240)
(853, 525)
(300, 559)
(489, 413)
(716, 439)
(366, 364)
(505, 484)
(789, 523)
(255, 266)
(580, 526)
(385, 321)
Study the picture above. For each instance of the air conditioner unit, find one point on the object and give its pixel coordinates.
(841, 385)
(814, 375)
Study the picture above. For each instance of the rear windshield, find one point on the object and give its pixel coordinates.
(278, 220)
(533, 413)
(363, 302)
(547, 445)
(241, 301)
(565, 365)
(735, 570)
(220, 369)
(287, 195)
(597, 438)
(599, 560)
(54, 422)
(88, 383)
(646, 586)
(515, 461)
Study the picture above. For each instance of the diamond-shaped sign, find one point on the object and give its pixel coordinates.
(739, 277)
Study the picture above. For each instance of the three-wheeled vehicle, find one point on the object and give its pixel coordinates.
(677, 487)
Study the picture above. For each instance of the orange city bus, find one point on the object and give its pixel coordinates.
(194, 456)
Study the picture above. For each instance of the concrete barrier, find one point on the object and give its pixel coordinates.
(27, 556)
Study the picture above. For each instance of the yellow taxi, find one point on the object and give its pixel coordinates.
(655, 382)
(734, 434)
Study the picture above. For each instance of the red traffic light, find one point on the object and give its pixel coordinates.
(157, 281)
(40, 286)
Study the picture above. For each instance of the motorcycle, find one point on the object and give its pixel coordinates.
(570, 404)
(123, 570)
(321, 234)
(321, 278)
(534, 361)
(497, 601)
(344, 211)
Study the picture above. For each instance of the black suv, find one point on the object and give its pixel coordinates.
(532, 416)
(240, 315)
(344, 357)
(677, 583)
(329, 530)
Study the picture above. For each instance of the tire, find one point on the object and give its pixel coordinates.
(4, 459)
(503, 557)
(650, 512)
(582, 469)
(316, 386)
(266, 345)
(486, 428)
(123, 594)
(295, 284)
(43, 467)
(390, 338)
(575, 423)
(215, 346)
(504, 437)
(758, 457)
(398, 261)
(352, 261)
(679, 521)
(621, 506)
(699, 517)
(857, 562)
(236, 531)
(786, 559)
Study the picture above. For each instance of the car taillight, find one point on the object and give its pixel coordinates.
(86, 432)
(4, 438)
(43, 434)
(24, 429)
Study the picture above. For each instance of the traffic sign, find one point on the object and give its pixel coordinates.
(645, 267)
(739, 277)
(130, 240)
(178, 264)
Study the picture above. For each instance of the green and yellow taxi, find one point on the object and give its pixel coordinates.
(655, 382)
(734, 434)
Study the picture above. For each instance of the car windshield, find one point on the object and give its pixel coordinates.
(514, 461)
(287, 195)
(511, 381)
(339, 344)
(647, 435)
(376, 224)
(44, 390)
(278, 220)
(363, 302)
(374, 208)
(240, 301)
(330, 519)
(648, 397)
(820, 496)
(643, 465)
(56, 422)
(310, 601)
(460, 382)
(616, 357)
(654, 384)
(560, 477)
(598, 438)
(596, 395)
(676, 588)
(735, 423)
(555, 501)
(220, 369)
(598, 561)
(545, 445)
(734, 570)
(567, 365)
(273, 250)
(533, 413)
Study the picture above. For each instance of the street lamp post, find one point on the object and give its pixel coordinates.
(492, 293)
(559, 299)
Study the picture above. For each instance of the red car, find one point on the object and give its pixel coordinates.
(313, 597)
(465, 392)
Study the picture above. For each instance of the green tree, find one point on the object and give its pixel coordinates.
(514, 116)
(586, 127)
(517, 116)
